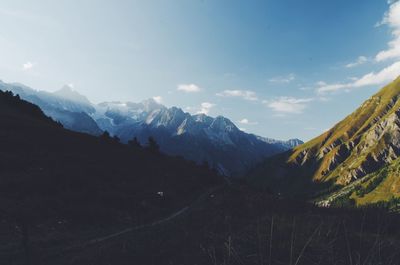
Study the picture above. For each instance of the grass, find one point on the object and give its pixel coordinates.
(352, 147)
(238, 226)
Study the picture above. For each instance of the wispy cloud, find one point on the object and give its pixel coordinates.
(158, 99)
(360, 60)
(385, 75)
(28, 16)
(189, 88)
(27, 66)
(392, 19)
(247, 122)
(288, 105)
(205, 108)
(374, 78)
(283, 79)
(244, 94)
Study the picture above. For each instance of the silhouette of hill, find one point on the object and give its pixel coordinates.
(71, 198)
(48, 173)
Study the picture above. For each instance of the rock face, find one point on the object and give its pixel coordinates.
(199, 137)
(365, 141)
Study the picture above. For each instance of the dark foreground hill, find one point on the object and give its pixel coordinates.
(235, 226)
(52, 177)
(70, 198)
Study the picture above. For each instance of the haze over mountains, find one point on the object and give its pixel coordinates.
(199, 137)
(355, 161)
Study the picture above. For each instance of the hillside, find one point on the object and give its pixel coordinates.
(366, 141)
(48, 174)
(64, 106)
(71, 198)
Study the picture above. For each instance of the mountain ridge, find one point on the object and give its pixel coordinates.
(201, 138)
(362, 143)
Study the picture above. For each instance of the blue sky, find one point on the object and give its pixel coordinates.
(276, 68)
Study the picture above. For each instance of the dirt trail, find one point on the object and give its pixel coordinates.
(171, 217)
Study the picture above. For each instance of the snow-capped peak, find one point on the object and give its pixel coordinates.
(66, 92)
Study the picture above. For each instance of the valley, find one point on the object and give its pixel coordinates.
(199, 132)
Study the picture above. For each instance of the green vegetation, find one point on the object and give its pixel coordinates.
(357, 148)
(361, 190)
(343, 201)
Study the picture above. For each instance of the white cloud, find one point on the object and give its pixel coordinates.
(360, 60)
(288, 105)
(392, 19)
(205, 108)
(385, 75)
(28, 65)
(283, 79)
(245, 94)
(189, 88)
(374, 78)
(246, 121)
(158, 99)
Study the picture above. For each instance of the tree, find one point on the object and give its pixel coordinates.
(152, 145)
(105, 136)
(205, 165)
(116, 139)
(134, 143)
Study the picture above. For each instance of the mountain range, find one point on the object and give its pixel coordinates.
(73, 198)
(201, 138)
(356, 161)
(48, 172)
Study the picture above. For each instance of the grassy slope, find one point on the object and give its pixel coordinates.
(310, 165)
(387, 185)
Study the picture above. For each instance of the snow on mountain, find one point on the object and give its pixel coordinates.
(197, 137)
(291, 143)
(66, 92)
(66, 106)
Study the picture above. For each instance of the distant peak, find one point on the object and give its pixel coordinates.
(67, 92)
(220, 122)
(151, 104)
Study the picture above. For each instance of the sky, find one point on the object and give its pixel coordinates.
(278, 68)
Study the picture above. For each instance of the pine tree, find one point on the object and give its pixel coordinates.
(152, 145)
(134, 143)
(105, 136)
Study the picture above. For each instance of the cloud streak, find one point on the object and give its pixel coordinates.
(247, 122)
(244, 94)
(385, 75)
(205, 108)
(189, 88)
(288, 105)
(392, 19)
(283, 79)
(158, 99)
(360, 60)
(28, 66)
